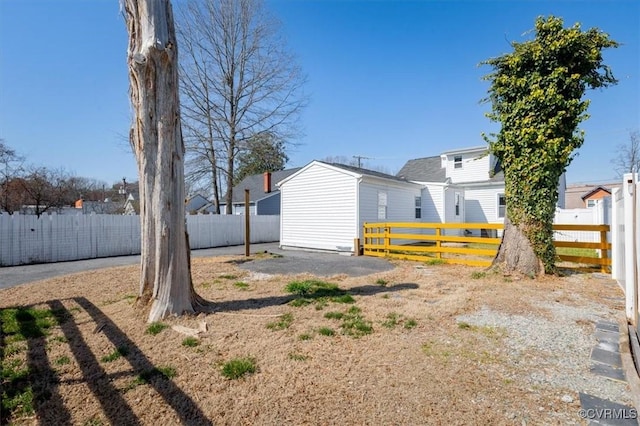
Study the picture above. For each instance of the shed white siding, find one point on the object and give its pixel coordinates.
(318, 209)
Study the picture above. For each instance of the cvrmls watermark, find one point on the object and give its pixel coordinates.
(608, 413)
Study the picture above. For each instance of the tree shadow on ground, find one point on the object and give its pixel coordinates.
(43, 381)
(264, 302)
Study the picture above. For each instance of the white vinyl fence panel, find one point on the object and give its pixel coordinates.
(600, 214)
(26, 239)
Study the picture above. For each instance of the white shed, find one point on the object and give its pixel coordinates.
(324, 206)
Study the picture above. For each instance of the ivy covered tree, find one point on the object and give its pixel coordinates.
(536, 95)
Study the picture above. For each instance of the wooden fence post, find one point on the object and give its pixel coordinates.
(438, 243)
(604, 253)
(387, 241)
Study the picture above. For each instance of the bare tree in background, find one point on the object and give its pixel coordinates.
(156, 140)
(628, 158)
(238, 81)
(10, 164)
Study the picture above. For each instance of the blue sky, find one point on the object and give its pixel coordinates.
(389, 80)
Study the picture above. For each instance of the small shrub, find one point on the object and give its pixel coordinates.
(382, 282)
(238, 367)
(284, 321)
(155, 328)
(326, 331)
(190, 342)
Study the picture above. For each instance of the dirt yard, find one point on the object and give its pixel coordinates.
(419, 363)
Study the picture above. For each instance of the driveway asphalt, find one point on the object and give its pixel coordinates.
(287, 262)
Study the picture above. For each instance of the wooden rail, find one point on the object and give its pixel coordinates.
(417, 241)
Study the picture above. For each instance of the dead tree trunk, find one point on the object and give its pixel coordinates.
(156, 139)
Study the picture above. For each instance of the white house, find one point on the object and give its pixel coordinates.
(462, 185)
(324, 206)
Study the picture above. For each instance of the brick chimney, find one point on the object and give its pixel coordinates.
(267, 182)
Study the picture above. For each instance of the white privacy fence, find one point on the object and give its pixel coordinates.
(625, 229)
(600, 214)
(28, 239)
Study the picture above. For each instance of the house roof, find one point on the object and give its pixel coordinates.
(255, 185)
(427, 169)
(366, 172)
(482, 148)
(595, 190)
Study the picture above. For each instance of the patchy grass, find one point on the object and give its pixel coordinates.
(354, 324)
(119, 352)
(391, 321)
(382, 282)
(228, 276)
(435, 261)
(574, 251)
(478, 275)
(299, 357)
(326, 331)
(241, 285)
(63, 360)
(305, 336)
(155, 328)
(334, 315)
(410, 323)
(318, 292)
(239, 367)
(284, 321)
(25, 323)
(190, 342)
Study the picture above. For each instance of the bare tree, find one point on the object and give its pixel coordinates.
(10, 166)
(628, 158)
(156, 139)
(238, 81)
(41, 190)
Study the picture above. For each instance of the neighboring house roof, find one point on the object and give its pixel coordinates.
(255, 185)
(196, 203)
(595, 191)
(427, 169)
(574, 195)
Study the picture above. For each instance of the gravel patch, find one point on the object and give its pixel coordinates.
(554, 352)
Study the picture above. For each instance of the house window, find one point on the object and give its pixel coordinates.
(382, 205)
(457, 162)
(418, 205)
(502, 205)
(591, 203)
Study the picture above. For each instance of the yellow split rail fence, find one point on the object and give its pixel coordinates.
(420, 241)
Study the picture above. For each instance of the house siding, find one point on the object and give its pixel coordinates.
(400, 202)
(318, 209)
(433, 204)
(475, 167)
(269, 205)
(481, 204)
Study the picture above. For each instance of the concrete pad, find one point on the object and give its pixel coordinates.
(607, 336)
(607, 325)
(606, 357)
(608, 371)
